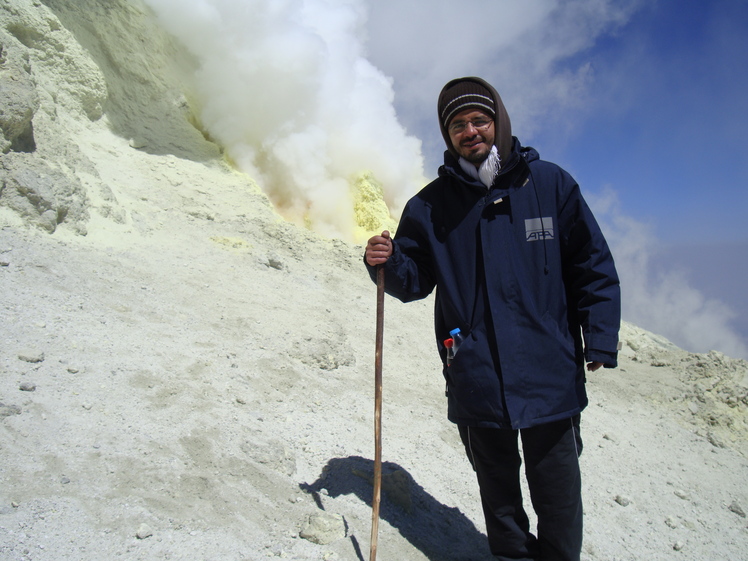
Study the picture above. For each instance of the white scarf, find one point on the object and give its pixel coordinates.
(488, 170)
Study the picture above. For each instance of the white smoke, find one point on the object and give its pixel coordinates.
(660, 300)
(284, 86)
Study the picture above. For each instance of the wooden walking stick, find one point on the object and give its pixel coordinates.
(377, 414)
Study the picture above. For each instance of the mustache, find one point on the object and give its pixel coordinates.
(472, 139)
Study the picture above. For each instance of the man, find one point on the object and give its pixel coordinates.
(521, 268)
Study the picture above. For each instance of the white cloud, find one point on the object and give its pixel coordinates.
(660, 300)
(522, 48)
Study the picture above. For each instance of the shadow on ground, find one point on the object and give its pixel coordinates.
(441, 532)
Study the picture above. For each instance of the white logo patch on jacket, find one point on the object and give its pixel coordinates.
(537, 229)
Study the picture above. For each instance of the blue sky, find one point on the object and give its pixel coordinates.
(643, 102)
(667, 123)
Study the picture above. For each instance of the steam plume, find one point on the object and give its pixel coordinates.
(285, 88)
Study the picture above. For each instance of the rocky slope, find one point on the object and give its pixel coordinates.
(184, 375)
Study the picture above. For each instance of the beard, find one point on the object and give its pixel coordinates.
(476, 157)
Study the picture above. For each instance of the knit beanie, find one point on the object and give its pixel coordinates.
(463, 95)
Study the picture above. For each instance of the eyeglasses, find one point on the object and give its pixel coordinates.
(459, 127)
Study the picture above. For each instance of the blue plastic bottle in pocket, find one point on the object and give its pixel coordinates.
(457, 340)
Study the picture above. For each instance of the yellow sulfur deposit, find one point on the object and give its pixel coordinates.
(370, 211)
(232, 244)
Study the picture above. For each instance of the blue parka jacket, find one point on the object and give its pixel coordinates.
(523, 270)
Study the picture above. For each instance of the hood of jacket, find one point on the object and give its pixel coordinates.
(503, 137)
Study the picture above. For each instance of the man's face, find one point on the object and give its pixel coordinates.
(472, 134)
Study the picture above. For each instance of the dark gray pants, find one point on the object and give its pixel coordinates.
(551, 453)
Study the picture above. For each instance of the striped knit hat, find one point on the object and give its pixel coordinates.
(464, 95)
